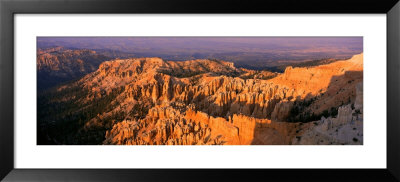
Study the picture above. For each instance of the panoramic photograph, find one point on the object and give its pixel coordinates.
(199, 90)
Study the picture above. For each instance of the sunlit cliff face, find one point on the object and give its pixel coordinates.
(149, 101)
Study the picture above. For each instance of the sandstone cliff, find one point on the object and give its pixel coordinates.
(153, 102)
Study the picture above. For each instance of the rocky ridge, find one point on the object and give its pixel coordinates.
(212, 102)
(57, 65)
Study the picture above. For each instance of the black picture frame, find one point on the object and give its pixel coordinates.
(9, 8)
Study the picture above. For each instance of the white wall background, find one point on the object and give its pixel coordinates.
(371, 155)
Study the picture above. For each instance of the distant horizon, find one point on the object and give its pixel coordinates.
(240, 50)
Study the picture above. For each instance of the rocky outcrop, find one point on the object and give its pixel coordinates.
(167, 126)
(282, 110)
(211, 102)
(57, 65)
(345, 128)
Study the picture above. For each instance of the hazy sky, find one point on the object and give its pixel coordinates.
(236, 49)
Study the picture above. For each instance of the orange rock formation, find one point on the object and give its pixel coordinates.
(212, 102)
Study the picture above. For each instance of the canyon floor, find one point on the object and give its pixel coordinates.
(150, 101)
